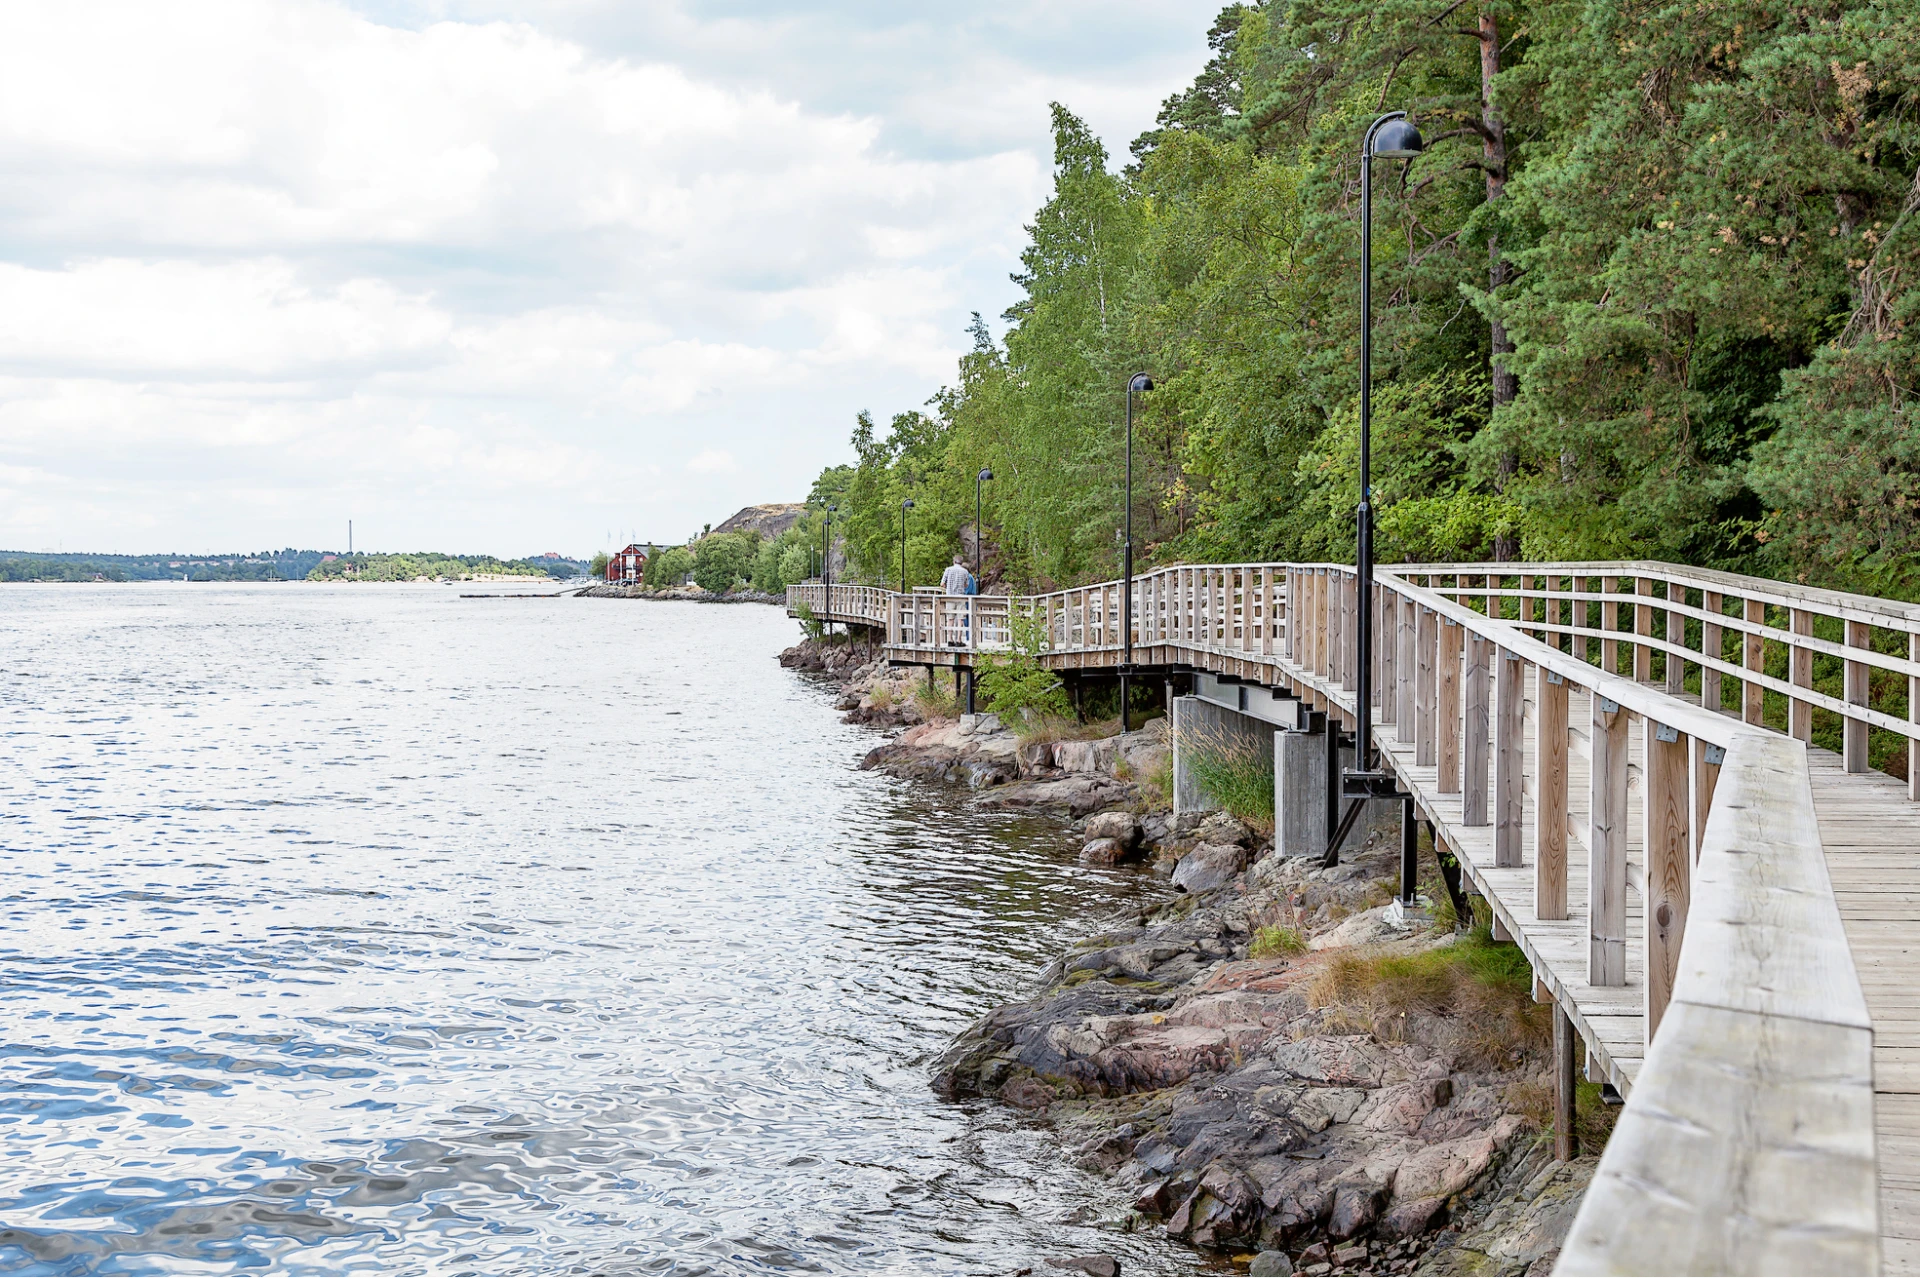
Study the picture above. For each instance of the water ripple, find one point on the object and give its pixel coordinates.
(383, 930)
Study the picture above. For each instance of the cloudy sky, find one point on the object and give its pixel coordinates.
(493, 276)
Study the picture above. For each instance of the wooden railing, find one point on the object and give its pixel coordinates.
(1718, 680)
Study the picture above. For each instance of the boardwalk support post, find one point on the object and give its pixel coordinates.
(1566, 1059)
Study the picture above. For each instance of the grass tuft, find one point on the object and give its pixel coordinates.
(1487, 985)
(1236, 773)
(1276, 940)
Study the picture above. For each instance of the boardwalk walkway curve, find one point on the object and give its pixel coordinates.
(1592, 741)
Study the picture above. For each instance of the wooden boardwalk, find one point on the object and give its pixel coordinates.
(1767, 1114)
(1871, 833)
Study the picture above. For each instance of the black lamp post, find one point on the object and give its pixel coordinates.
(1391, 137)
(826, 568)
(906, 505)
(986, 473)
(1139, 382)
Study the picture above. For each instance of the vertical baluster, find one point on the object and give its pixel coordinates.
(1447, 716)
(1526, 604)
(1387, 648)
(1676, 640)
(1270, 618)
(1643, 626)
(1712, 603)
(1800, 668)
(1854, 740)
(1550, 800)
(1403, 668)
(1509, 756)
(1607, 846)
(1609, 617)
(1426, 645)
(1475, 709)
(1665, 843)
(1756, 660)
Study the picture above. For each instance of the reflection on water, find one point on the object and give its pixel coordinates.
(377, 928)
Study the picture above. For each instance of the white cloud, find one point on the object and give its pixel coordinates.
(710, 462)
(474, 273)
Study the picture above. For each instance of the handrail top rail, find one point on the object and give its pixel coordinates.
(1897, 613)
(1662, 708)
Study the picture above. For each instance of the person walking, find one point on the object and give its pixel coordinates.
(956, 581)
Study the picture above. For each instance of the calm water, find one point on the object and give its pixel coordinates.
(377, 928)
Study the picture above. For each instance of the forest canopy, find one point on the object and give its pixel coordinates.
(1649, 291)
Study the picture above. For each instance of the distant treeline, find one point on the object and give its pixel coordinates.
(246, 566)
(266, 566)
(408, 566)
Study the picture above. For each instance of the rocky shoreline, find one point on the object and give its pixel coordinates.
(1280, 1066)
(692, 591)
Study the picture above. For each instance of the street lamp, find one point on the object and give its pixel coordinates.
(906, 505)
(1140, 383)
(986, 473)
(826, 569)
(1391, 137)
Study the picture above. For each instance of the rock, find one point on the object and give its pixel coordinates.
(1223, 828)
(1085, 757)
(1446, 1168)
(1034, 759)
(1360, 930)
(1076, 795)
(1355, 1208)
(1104, 852)
(1209, 866)
(1270, 1262)
(1352, 1256)
(1314, 1255)
(1093, 1264)
(1114, 824)
(1411, 1217)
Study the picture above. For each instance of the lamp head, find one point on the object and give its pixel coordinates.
(1140, 382)
(906, 504)
(1397, 140)
(986, 473)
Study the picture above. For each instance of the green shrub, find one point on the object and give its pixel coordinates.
(809, 625)
(1014, 685)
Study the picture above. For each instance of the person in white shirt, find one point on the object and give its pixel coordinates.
(956, 581)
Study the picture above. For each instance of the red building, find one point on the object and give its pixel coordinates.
(629, 565)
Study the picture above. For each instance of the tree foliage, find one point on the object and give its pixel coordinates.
(1649, 291)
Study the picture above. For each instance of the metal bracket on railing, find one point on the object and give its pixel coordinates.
(1665, 733)
(1554, 677)
(1716, 756)
(1608, 706)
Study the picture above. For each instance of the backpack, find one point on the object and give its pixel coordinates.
(973, 587)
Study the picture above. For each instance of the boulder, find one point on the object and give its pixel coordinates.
(1085, 757)
(1447, 1168)
(1223, 828)
(1076, 795)
(1093, 1264)
(1270, 1262)
(1411, 1217)
(1360, 930)
(1114, 824)
(1356, 1207)
(1104, 852)
(1209, 866)
(1035, 759)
